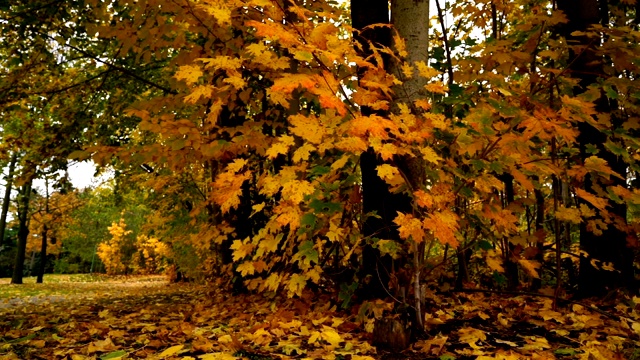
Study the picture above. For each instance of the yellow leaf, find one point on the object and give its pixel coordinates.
(530, 266)
(296, 284)
(237, 165)
(430, 155)
(425, 70)
(218, 10)
(471, 336)
(331, 336)
(217, 356)
(205, 91)
(296, 190)
(409, 227)
(170, 351)
(598, 202)
(387, 172)
(189, 73)
(246, 268)
(281, 147)
(494, 261)
(241, 249)
(423, 199)
(443, 224)
(568, 214)
(302, 153)
(596, 164)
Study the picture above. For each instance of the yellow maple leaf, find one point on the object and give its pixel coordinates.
(237, 165)
(307, 127)
(189, 73)
(494, 261)
(568, 214)
(296, 284)
(273, 282)
(228, 189)
(280, 147)
(241, 249)
(430, 155)
(218, 10)
(409, 227)
(443, 224)
(387, 172)
(352, 144)
(423, 199)
(426, 71)
(296, 190)
(236, 81)
(246, 268)
(331, 336)
(596, 164)
(302, 153)
(205, 91)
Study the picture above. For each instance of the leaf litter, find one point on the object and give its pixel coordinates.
(149, 318)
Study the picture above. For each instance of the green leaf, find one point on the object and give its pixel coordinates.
(307, 223)
(306, 250)
(565, 351)
(325, 207)
(113, 355)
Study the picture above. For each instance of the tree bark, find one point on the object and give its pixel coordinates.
(610, 247)
(410, 19)
(45, 230)
(7, 196)
(376, 196)
(23, 231)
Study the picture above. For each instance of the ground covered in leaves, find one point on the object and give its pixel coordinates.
(88, 317)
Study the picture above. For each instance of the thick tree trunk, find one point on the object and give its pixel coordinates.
(410, 18)
(23, 232)
(7, 196)
(376, 196)
(611, 246)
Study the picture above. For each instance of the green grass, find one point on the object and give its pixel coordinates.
(66, 285)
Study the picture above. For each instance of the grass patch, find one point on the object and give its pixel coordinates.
(70, 285)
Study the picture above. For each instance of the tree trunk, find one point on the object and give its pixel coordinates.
(611, 246)
(376, 196)
(23, 231)
(410, 18)
(7, 196)
(45, 229)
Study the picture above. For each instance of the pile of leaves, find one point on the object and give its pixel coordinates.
(139, 318)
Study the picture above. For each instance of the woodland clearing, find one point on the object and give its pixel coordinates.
(146, 317)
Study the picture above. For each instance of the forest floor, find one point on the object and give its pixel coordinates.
(94, 317)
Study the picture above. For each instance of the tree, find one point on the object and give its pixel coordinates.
(609, 247)
(24, 196)
(6, 200)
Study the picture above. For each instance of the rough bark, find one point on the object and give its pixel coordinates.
(23, 231)
(611, 246)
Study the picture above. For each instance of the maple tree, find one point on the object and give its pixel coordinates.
(294, 145)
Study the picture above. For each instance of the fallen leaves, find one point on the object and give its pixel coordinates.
(146, 318)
